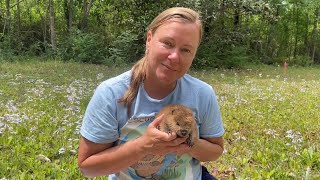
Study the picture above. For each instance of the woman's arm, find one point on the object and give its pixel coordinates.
(207, 149)
(103, 159)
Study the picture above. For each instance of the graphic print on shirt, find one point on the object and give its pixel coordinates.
(154, 167)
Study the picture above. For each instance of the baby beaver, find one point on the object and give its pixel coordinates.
(179, 119)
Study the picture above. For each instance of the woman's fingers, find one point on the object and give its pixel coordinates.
(173, 143)
(156, 133)
(160, 143)
(155, 123)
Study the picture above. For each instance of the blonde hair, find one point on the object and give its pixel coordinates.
(139, 69)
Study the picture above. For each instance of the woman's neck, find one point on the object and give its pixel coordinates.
(157, 90)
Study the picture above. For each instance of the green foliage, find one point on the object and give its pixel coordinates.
(83, 47)
(294, 61)
(124, 49)
(35, 49)
(6, 47)
(234, 31)
(209, 55)
(237, 57)
(301, 61)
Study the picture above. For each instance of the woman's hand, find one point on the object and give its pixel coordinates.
(156, 142)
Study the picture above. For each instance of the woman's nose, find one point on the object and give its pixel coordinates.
(174, 55)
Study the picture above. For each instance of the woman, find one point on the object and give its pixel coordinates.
(119, 132)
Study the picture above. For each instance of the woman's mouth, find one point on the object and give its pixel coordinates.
(168, 67)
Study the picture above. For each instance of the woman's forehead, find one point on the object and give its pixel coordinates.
(185, 30)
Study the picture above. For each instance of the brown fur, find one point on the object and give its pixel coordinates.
(179, 119)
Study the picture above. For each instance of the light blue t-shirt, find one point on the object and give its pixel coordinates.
(107, 121)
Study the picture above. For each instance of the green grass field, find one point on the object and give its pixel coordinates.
(271, 119)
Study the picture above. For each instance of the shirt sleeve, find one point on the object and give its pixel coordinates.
(211, 123)
(100, 124)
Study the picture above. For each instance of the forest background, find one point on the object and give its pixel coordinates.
(237, 32)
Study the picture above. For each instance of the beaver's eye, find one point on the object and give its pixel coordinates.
(178, 124)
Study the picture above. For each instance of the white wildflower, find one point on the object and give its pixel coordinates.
(62, 150)
(295, 137)
(99, 76)
(271, 132)
(73, 151)
(307, 173)
(43, 158)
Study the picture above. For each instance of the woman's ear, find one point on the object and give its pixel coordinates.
(149, 37)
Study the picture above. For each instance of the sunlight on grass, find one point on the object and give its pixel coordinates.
(271, 119)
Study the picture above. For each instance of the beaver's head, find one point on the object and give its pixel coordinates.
(181, 121)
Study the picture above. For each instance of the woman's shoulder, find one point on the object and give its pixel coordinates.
(195, 83)
(117, 81)
(116, 85)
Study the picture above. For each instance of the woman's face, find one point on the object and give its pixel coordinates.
(171, 50)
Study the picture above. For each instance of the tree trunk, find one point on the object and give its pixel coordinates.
(315, 33)
(222, 11)
(8, 17)
(70, 15)
(86, 11)
(52, 25)
(84, 18)
(296, 34)
(306, 32)
(18, 25)
(271, 37)
(43, 23)
(237, 17)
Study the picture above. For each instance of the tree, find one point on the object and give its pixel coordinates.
(52, 26)
(70, 14)
(18, 25)
(86, 11)
(315, 33)
(8, 17)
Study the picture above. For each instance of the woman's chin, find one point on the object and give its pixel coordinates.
(166, 79)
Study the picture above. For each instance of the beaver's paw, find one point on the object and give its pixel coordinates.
(189, 142)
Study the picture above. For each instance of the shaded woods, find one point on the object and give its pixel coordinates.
(108, 32)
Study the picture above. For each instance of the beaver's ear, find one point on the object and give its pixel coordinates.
(173, 110)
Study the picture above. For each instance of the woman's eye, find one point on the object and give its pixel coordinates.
(167, 43)
(186, 50)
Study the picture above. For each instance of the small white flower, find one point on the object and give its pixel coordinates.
(43, 158)
(62, 150)
(73, 151)
(307, 173)
(99, 76)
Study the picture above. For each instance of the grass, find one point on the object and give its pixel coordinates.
(271, 119)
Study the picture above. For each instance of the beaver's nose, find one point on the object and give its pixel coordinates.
(183, 133)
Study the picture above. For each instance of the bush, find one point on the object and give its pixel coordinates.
(83, 47)
(124, 49)
(35, 49)
(294, 61)
(6, 47)
(230, 57)
(301, 61)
